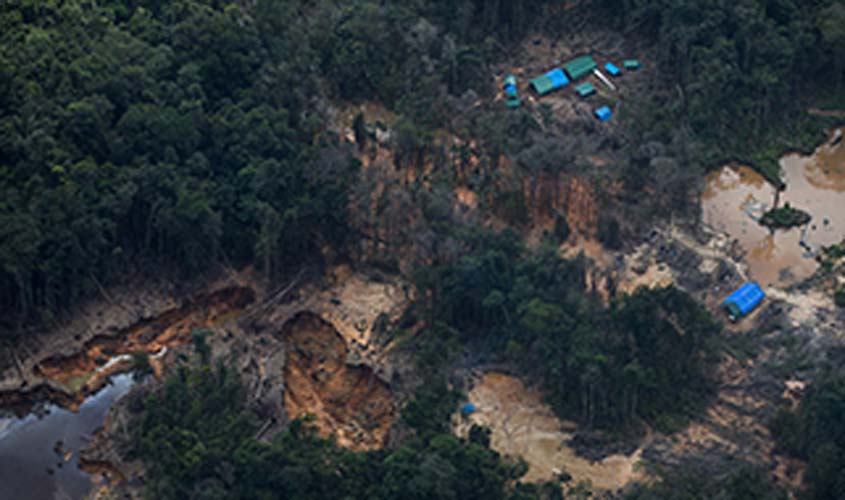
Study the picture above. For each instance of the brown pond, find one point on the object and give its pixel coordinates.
(736, 195)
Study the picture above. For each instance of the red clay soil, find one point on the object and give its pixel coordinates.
(169, 329)
(348, 402)
(567, 194)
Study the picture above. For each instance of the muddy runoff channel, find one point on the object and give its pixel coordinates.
(50, 421)
(736, 196)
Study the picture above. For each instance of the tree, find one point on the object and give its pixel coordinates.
(359, 128)
(813, 433)
(832, 25)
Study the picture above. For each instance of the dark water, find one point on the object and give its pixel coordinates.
(27, 448)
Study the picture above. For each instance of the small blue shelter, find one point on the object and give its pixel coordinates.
(744, 300)
(612, 69)
(603, 113)
(467, 409)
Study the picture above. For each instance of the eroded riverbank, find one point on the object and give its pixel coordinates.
(66, 378)
(56, 400)
(308, 347)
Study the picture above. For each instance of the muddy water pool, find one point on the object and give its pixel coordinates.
(30, 458)
(736, 195)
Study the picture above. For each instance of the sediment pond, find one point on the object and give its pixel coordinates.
(735, 196)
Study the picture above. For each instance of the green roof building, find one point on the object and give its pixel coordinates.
(585, 89)
(542, 85)
(579, 67)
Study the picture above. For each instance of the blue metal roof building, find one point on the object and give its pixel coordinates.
(603, 113)
(612, 69)
(558, 78)
(744, 300)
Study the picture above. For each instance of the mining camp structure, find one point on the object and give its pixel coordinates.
(744, 300)
(603, 114)
(575, 69)
(552, 80)
(511, 93)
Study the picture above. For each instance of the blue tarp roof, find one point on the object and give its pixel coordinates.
(746, 298)
(511, 90)
(468, 408)
(612, 69)
(603, 113)
(558, 78)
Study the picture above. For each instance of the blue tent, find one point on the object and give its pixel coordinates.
(510, 90)
(603, 113)
(558, 78)
(467, 409)
(612, 69)
(744, 300)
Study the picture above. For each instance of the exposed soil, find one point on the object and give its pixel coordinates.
(532, 201)
(569, 195)
(348, 402)
(317, 344)
(66, 379)
(168, 330)
(835, 113)
(523, 426)
(540, 54)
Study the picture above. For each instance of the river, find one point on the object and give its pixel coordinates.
(30, 458)
(735, 195)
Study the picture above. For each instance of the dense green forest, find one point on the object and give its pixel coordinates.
(169, 132)
(189, 132)
(814, 432)
(740, 74)
(697, 481)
